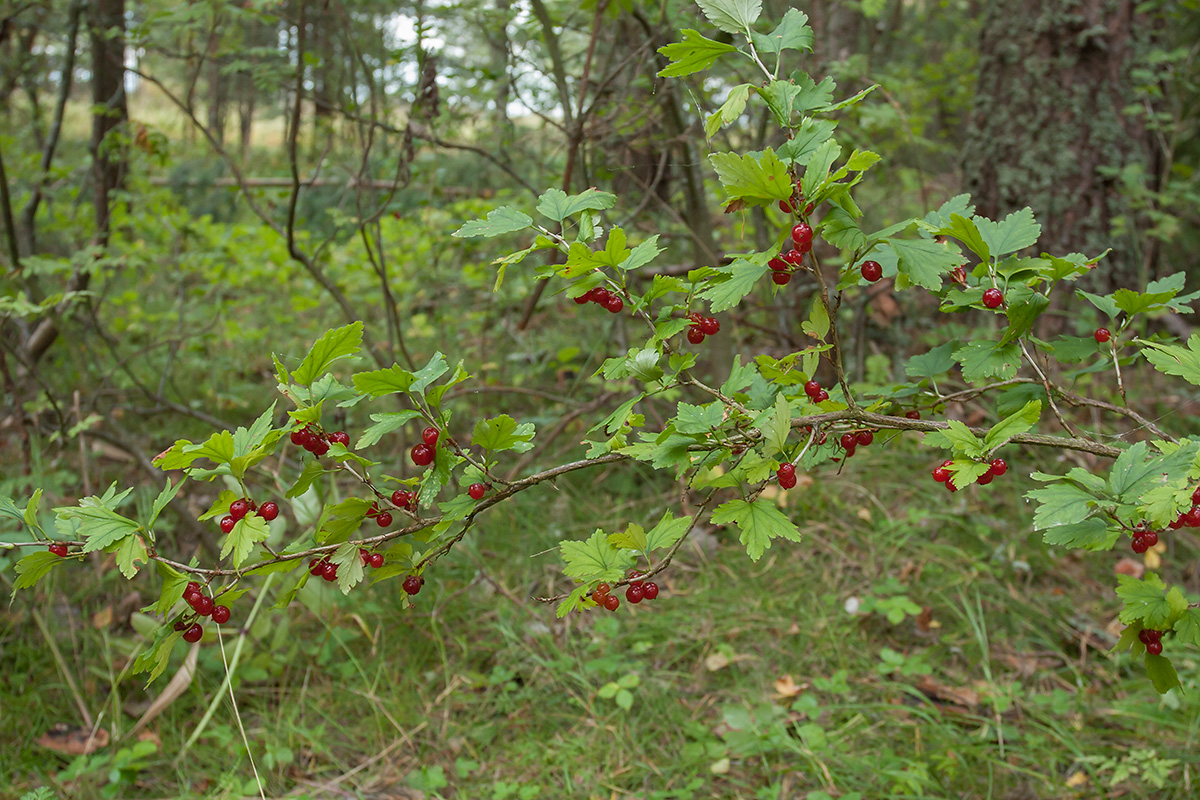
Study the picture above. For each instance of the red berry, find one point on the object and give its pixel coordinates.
(1192, 517)
(477, 491)
(864, 438)
(850, 451)
(612, 602)
(401, 498)
(601, 296)
(812, 388)
(914, 414)
(781, 278)
(999, 467)
(950, 485)
(1154, 648)
(268, 511)
(787, 481)
(383, 519)
(695, 335)
(340, 437)
(1151, 538)
(192, 587)
(412, 584)
(430, 436)
(319, 447)
(650, 590)
(1102, 335)
(1139, 544)
(778, 265)
(821, 397)
(238, 509)
(614, 305)
(299, 436)
(785, 206)
(1146, 635)
(58, 549)
(583, 298)
(941, 474)
(180, 625)
(710, 326)
(194, 633)
(1196, 495)
(203, 605)
(329, 571)
(786, 468)
(848, 441)
(422, 455)
(993, 298)
(227, 524)
(376, 560)
(871, 271)
(316, 567)
(986, 478)
(603, 589)
(220, 614)
(634, 594)
(802, 235)
(794, 257)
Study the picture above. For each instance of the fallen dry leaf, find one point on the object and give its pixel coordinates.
(102, 618)
(1077, 779)
(925, 620)
(1131, 567)
(960, 696)
(73, 740)
(787, 687)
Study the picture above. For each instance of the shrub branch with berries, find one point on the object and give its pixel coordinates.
(730, 436)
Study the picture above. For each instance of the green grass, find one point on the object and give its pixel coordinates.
(479, 692)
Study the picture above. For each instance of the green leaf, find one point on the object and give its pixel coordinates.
(380, 382)
(776, 435)
(312, 470)
(754, 179)
(817, 170)
(741, 278)
(641, 255)
(817, 324)
(501, 221)
(731, 16)
(155, 659)
(944, 216)
(1020, 422)
(793, 33)
(624, 699)
(164, 497)
(503, 433)
(922, 262)
(965, 231)
(1023, 310)
(632, 538)
(436, 368)
(1187, 627)
(1161, 673)
(334, 344)
(101, 525)
(558, 205)
(1060, 504)
(9, 509)
(729, 111)
(983, 360)
(1145, 601)
(218, 449)
(33, 567)
(384, 424)
(1090, 534)
(932, 364)
(667, 532)
(957, 437)
(698, 419)
(350, 566)
(1015, 232)
(1105, 303)
(130, 551)
(759, 521)
(1133, 475)
(1183, 362)
(572, 602)
(30, 515)
(840, 230)
(173, 585)
(594, 560)
(806, 140)
(249, 531)
(1132, 302)
(694, 54)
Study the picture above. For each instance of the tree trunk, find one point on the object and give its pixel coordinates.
(1046, 126)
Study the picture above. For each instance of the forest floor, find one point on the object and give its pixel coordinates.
(915, 644)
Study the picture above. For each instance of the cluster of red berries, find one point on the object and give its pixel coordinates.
(423, 453)
(815, 392)
(413, 583)
(702, 326)
(1143, 540)
(602, 297)
(993, 298)
(369, 559)
(323, 568)
(240, 508)
(315, 441)
(793, 205)
(786, 475)
(203, 605)
(1152, 639)
(382, 518)
(1191, 517)
(59, 549)
(850, 441)
(402, 498)
(635, 592)
(871, 271)
(785, 264)
(996, 468)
